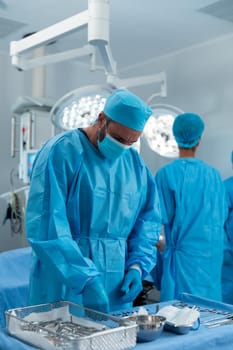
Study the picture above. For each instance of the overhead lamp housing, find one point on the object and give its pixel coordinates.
(80, 107)
(158, 130)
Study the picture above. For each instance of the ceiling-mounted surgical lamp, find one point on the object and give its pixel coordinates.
(67, 112)
(80, 107)
(158, 130)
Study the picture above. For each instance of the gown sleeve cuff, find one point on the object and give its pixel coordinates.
(136, 267)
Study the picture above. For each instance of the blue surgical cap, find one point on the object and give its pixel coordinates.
(187, 129)
(127, 109)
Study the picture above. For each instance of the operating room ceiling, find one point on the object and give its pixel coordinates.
(140, 30)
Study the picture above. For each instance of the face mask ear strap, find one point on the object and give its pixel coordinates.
(99, 132)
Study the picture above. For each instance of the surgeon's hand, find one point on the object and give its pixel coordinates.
(95, 296)
(131, 286)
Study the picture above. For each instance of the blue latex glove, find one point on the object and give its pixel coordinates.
(95, 296)
(131, 286)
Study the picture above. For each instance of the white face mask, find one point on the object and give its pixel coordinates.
(111, 148)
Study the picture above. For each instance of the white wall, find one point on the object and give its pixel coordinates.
(199, 80)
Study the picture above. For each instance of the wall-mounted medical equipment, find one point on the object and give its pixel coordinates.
(31, 117)
(16, 202)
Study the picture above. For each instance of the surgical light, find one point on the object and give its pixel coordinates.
(79, 108)
(158, 130)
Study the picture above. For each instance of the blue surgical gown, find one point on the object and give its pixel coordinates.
(227, 271)
(88, 216)
(193, 207)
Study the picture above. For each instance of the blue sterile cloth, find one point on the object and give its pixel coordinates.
(207, 338)
(14, 280)
(9, 343)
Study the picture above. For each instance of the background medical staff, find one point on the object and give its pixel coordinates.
(193, 209)
(227, 272)
(93, 215)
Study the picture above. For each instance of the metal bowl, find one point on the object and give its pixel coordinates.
(149, 326)
(177, 329)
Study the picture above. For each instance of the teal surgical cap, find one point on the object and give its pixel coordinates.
(187, 129)
(127, 109)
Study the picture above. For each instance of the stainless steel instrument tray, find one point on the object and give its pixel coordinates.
(67, 326)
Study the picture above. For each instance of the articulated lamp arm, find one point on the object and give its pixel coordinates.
(96, 19)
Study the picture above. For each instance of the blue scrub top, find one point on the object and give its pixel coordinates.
(229, 222)
(227, 270)
(88, 216)
(193, 209)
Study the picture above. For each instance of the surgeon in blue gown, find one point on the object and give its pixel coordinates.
(93, 215)
(193, 210)
(227, 272)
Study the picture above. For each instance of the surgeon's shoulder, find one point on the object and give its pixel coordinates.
(68, 141)
(69, 138)
(208, 167)
(211, 171)
(229, 181)
(140, 167)
(65, 147)
(136, 157)
(167, 168)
